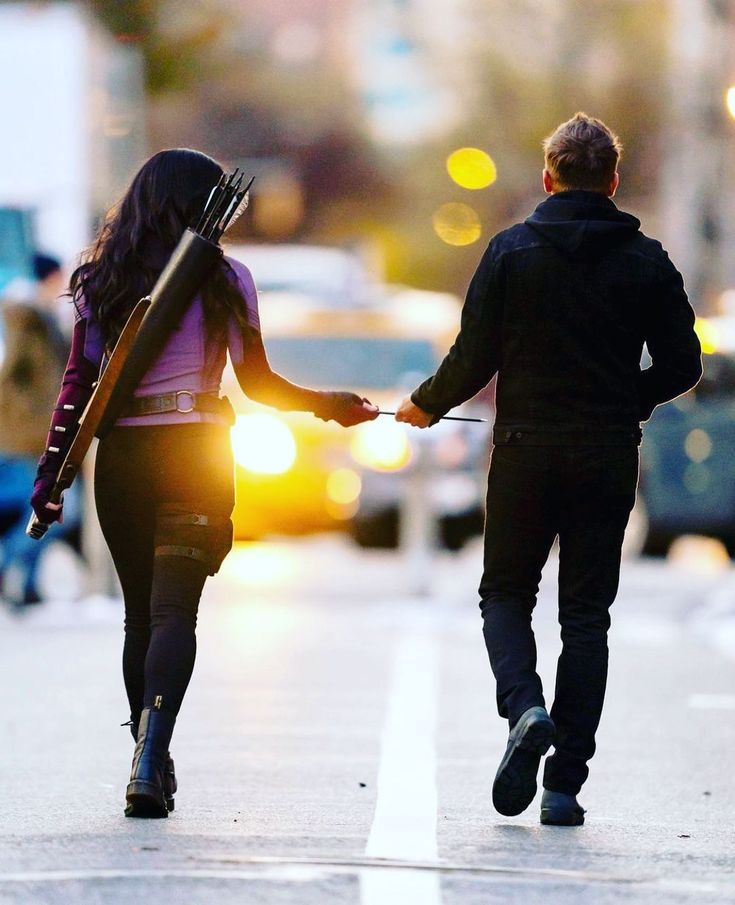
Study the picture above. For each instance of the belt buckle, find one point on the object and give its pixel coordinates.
(191, 397)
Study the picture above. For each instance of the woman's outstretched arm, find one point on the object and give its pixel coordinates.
(262, 384)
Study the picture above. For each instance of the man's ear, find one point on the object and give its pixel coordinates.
(548, 181)
(615, 182)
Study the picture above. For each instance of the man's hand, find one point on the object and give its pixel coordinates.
(412, 414)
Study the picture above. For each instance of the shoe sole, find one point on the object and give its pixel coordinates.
(555, 817)
(145, 800)
(515, 784)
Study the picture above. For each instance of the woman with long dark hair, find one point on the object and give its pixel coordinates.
(164, 484)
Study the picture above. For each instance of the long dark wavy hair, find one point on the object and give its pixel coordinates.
(137, 237)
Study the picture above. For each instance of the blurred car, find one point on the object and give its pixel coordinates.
(456, 454)
(297, 474)
(322, 275)
(455, 466)
(688, 462)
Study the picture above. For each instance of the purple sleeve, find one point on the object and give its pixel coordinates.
(76, 389)
(246, 287)
(94, 346)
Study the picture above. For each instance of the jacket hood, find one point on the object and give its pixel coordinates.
(578, 220)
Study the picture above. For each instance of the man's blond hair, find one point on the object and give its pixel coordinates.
(582, 153)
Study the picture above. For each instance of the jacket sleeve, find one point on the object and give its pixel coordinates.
(76, 389)
(676, 355)
(475, 356)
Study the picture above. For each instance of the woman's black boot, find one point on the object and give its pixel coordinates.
(169, 782)
(170, 785)
(146, 793)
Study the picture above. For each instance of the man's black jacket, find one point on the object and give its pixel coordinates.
(560, 307)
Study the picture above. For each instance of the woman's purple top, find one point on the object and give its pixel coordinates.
(189, 361)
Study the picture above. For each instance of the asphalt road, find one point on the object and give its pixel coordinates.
(339, 741)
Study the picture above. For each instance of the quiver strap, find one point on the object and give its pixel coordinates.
(192, 261)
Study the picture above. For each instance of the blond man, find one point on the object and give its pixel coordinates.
(560, 308)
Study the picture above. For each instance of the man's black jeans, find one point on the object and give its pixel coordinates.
(583, 494)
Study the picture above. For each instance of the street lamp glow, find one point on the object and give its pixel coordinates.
(457, 224)
(472, 168)
(730, 100)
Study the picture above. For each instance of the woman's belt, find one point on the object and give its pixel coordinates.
(183, 401)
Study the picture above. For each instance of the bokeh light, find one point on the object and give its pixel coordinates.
(263, 444)
(730, 100)
(707, 333)
(698, 445)
(344, 486)
(381, 445)
(343, 493)
(472, 168)
(703, 555)
(457, 224)
(279, 205)
(261, 565)
(697, 478)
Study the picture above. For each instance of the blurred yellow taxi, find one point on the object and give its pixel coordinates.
(296, 474)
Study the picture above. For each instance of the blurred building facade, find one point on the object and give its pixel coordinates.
(349, 109)
(72, 101)
(698, 148)
(410, 67)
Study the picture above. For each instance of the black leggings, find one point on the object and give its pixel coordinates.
(164, 498)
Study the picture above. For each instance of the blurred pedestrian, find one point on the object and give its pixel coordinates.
(35, 352)
(560, 308)
(164, 481)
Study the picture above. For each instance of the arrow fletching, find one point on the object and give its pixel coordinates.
(240, 205)
(226, 202)
(222, 203)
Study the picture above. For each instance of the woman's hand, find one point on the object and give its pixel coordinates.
(409, 413)
(346, 409)
(46, 512)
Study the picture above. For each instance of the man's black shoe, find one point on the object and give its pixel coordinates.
(515, 781)
(559, 809)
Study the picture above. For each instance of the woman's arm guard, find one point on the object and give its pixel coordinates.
(76, 389)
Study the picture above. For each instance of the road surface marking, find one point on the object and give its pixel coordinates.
(404, 824)
(309, 869)
(448, 867)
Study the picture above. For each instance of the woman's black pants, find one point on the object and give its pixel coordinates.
(164, 498)
(584, 496)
